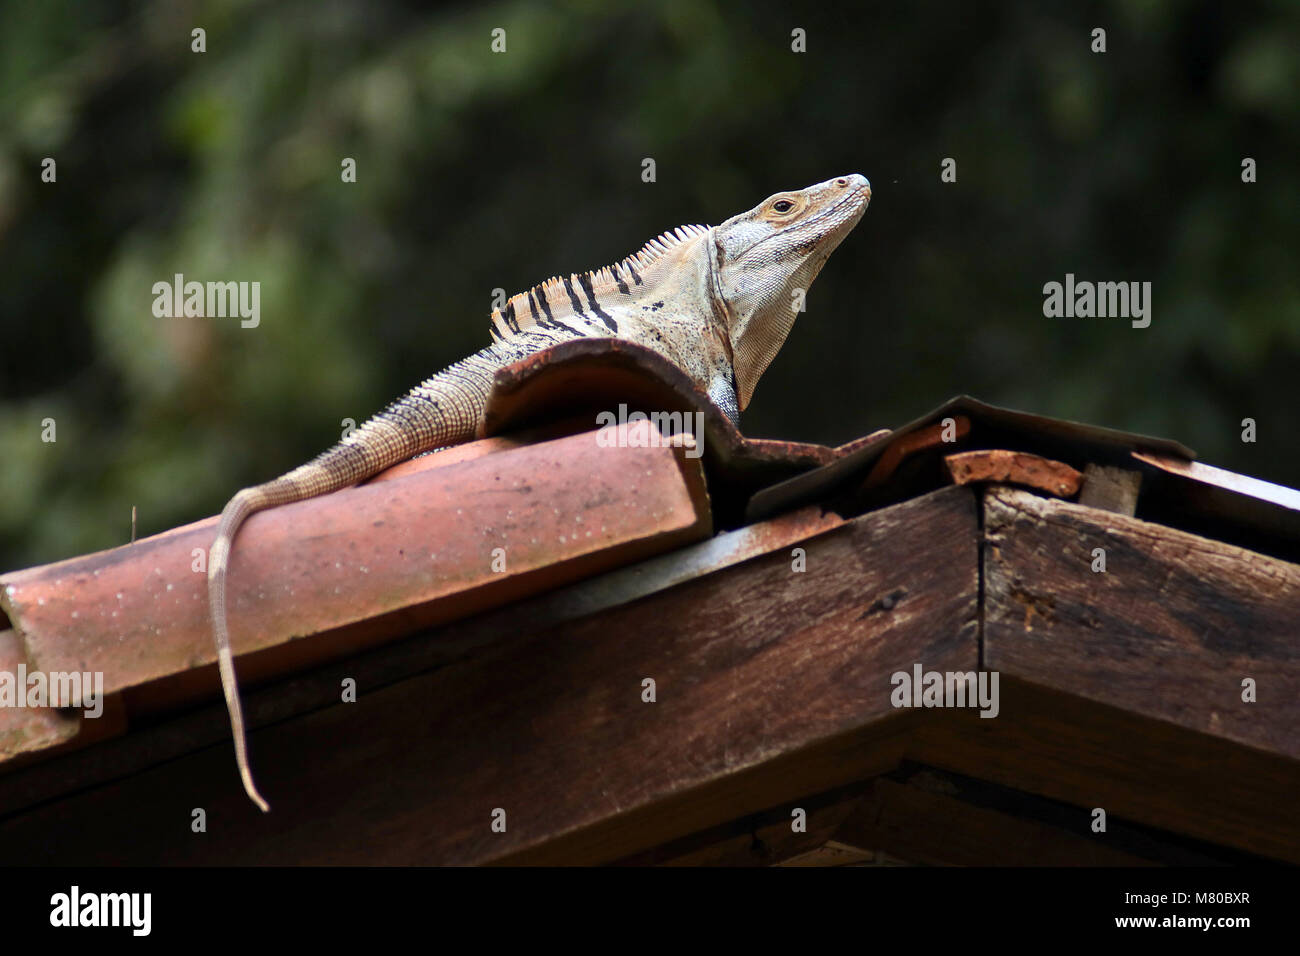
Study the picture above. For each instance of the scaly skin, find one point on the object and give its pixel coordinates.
(717, 302)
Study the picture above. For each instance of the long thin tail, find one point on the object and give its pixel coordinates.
(444, 410)
(240, 507)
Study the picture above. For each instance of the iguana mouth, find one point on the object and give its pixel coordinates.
(860, 194)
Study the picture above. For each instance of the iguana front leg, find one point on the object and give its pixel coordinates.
(722, 392)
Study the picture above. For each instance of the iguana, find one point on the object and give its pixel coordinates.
(717, 302)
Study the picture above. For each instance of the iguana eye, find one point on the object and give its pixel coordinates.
(783, 205)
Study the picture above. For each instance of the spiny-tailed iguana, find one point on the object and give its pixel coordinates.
(717, 302)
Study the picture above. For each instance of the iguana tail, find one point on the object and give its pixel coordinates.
(239, 507)
(444, 410)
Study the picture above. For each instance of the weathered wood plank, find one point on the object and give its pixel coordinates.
(1170, 629)
(771, 684)
(1147, 771)
(1123, 689)
(761, 839)
(930, 824)
(834, 853)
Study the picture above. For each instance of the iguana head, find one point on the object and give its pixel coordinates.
(765, 260)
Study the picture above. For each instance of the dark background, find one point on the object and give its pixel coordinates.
(479, 170)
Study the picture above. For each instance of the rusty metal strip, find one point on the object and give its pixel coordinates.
(1036, 433)
(1279, 495)
(908, 445)
(1014, 467)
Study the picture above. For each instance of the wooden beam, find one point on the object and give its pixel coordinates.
(929, 819)
(1092, 756)
(1172, 628)
(834, 853)
(1123, 689)
(761, 839)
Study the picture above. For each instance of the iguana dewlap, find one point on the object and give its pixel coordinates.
(716, 301)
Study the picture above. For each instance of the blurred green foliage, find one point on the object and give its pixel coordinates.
(479, 170)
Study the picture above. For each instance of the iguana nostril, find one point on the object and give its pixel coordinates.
(841, 182)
